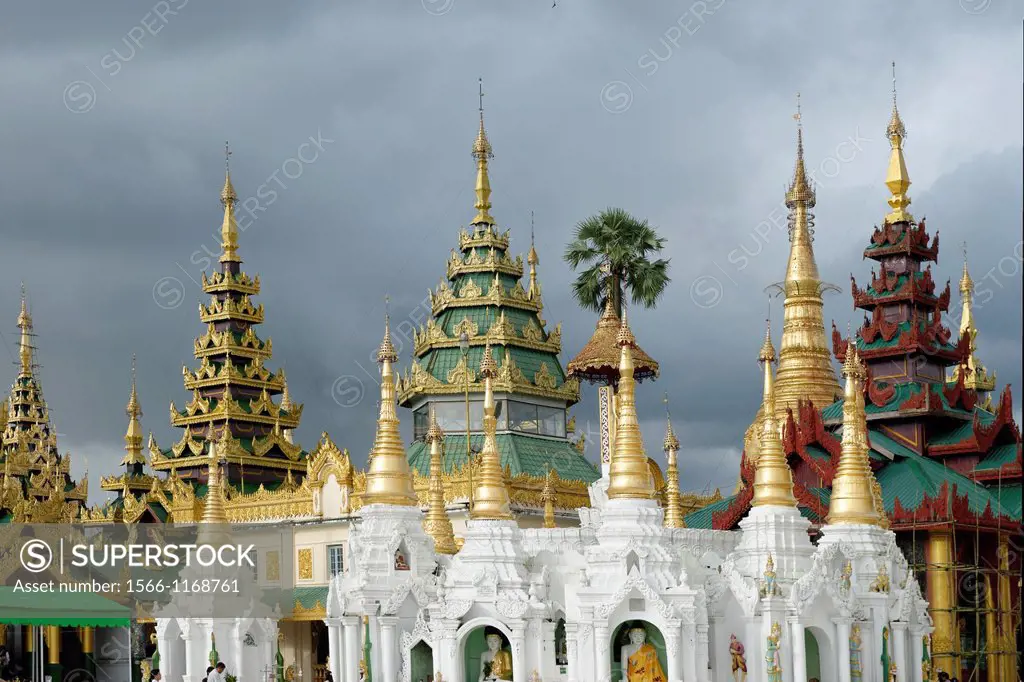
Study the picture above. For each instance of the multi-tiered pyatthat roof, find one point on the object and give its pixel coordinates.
(35, 479)
(482, 303)
(232, 389)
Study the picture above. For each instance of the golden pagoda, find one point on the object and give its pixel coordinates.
(673, 502)
(976, 377)
(490, 491)
(773, 480)
(629, 473)
(436, 522)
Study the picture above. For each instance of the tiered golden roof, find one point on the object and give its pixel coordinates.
(598, 362)
(629, 472)
(853, 499)
(388, 479)
(976, 376)
(897, 179)
(436, 522)
(490, 492)
(773, 480)
(673, 502)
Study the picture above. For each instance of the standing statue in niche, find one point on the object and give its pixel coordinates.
(496, 662)
(844, 579)
(856, 668)
(640, 659)
(772, 658)
(739, 659)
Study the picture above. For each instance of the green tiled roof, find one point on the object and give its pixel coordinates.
(484, 280)
(483, 317)
(440, 361)
(880, 341)
(309, 596)
(701, 518)
(818, 453)
(998, 456)
(904, 391)
(523, 454)
(1010, 496)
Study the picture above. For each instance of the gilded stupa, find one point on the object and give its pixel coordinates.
(482, 303)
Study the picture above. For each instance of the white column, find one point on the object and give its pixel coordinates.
(351, 635)
(754, 647)
(899, 650)
(799, 650)
(519, 671)
(544, 660)
(703, 652)
(686, 669)
(197, 646)
(572, 649)
(603, 659)
(445, 662)
(916, 654)
(843, 647)
(388, 648)
(334, 646)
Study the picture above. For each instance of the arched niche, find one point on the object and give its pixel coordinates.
(620, 637)
(421, 662)
(472, 642)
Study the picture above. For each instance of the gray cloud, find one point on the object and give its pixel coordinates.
(101, 205)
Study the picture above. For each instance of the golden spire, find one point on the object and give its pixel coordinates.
(388, 479)
(852, 500)
(490, 493)
(673, 503)
(805, 361)
(229, 228)
(532, 259)
(977, 377)
(548, 496)
(482, 153)
(286, 405)
(629, 472)
(213, 511)
(436, 523)
(133, 436)
(773, 480)
(25, 325)
(897, 179)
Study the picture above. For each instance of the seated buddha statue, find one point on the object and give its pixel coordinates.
(496, 662)
(640, 659)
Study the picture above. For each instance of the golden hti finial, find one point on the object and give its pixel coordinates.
(490, 491)
(976, 377)
(773, 480)
(853, 500)
(388, 478)
(214, 509)
(897, 179)
(800, 199)
(25, 345)
(286, 405)
(532, 259)
(133, 436)
(629, 474)
(482, 153)
(673, 500)
(229, 228)
(436, 522)
(547, 494)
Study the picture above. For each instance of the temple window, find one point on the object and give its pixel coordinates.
(335, 560)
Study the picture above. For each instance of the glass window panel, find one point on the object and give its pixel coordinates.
(335, 560)
(501, 414)
(522, 416)
(551, 421)
(420, 422)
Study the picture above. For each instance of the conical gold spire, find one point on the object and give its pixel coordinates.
(673, 502)
(388, 479)
(852, 500)
(229, 228)
(532, 259)
(490, 492)
(25, 345)
(548, 496)
(773, 480)
(436, 523)
(897, 179)
(977, 377)
(629, 473)
(482, 153)
(805, 362)
(213, 511)
(133, 436)
(286, 405)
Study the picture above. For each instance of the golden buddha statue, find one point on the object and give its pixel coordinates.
(496, 662)
(640, 659)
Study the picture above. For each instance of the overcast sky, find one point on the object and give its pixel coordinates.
(114, 116)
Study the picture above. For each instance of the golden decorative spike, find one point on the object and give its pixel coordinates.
(805, 361)
(976, 377)
(229, 228)
(133, 436)
(436, 523)
(25, 325)
(673, 501)
(773, 480)
(482, 153)
(388, 478)
(214, 509)
(629, 471)
(852, 500)
(286, 407)
(490, 490)
(533, 260)
(548, 496)
(897, 179)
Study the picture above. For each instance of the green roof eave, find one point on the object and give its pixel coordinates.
(77, 609)
(702, 518)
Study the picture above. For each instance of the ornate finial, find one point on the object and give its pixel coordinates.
(897, 178)
(773, 479)
(25, 325)
(976, 376)
(673, 500)
(629, 472)
(229, 227)
(966, 283)
(388, 478)
(671, 442)
(490, 497)
(532, 258)
(548, 497)
(767, 352)
(488, 367)
(133, 436)
(214, 510)
(436, 522)
(800, 193)
(625, 336)
(853, 496)
(482, 152)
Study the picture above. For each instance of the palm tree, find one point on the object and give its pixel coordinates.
(616, 248)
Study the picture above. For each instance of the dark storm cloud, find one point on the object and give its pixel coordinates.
(114, 116)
